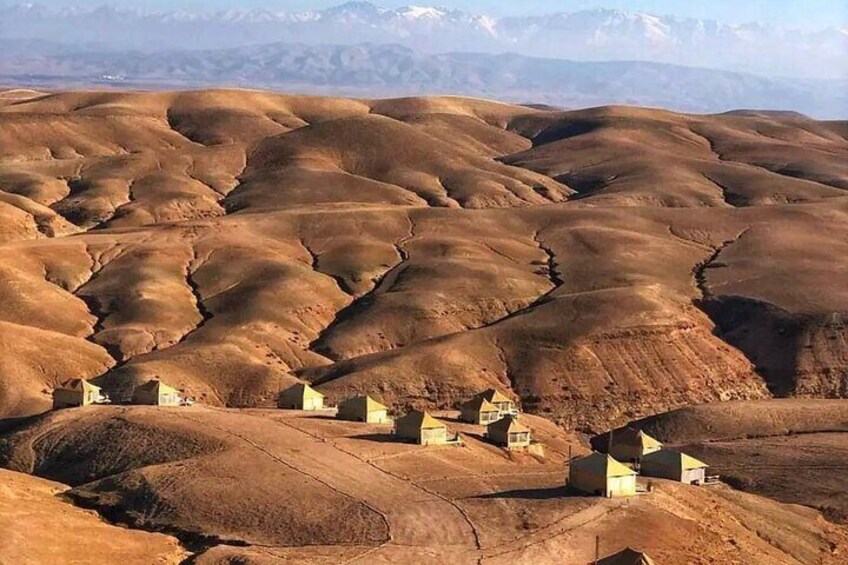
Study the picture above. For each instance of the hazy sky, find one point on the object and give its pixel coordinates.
(793, 13)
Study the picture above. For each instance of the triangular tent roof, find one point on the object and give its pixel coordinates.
(508, 424)
(648, 442)
(627, 556)
(302, 390)
(78, 385)
(480, 404)
(365, 403)
(603, 465)
(630, 436)
(675, 459)
(157, 386)
(421, 420)
(493, 396)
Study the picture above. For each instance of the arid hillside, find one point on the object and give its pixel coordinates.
(792, 450)
(38, 527)
(273, 487)
(601, 264)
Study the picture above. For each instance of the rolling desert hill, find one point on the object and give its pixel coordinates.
(599, 266)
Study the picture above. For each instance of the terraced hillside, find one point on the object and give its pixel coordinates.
(601, 264)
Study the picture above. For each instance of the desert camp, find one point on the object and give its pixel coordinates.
(470, 282)
(301, 396)
(601, 475)
(509, 432)
(420, 427)
(480, 411)
(673, 465)
(631, 445)
(498, 400)
(77, 392)
(627, 556)
(156, 393)
(363, 408)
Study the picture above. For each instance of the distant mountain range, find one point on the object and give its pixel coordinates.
(597, 35)
(391, 70)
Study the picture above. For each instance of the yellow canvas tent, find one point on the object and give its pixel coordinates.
(156, 393)
(509, 432)
(76, 392)
(301, 397)
(499, 400)
(627, 556)
(631, 445)
(363, 409)
(601, 475)
(479, 411)
(421, 428)
(668, 464)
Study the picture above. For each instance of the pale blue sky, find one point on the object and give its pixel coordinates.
(793, 13)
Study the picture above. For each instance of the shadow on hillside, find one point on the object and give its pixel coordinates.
(9, 425)
(379, 438)
(771, 338)
(324, 417)
(532, 494)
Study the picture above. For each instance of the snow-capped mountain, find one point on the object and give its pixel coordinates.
(600, 34)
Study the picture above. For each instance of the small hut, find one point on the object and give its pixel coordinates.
(156, 393)
(363, 409)
(509, 432)
(668, 464)
(479, 411)
(76, 392)
(421, 428)
(627, 556)
(601, 475)
(301, 397)
(499, 400)
(631, 445)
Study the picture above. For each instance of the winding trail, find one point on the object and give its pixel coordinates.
(405, 508)
(417, 485)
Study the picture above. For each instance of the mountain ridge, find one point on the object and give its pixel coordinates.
(379, 70)
(600, 34)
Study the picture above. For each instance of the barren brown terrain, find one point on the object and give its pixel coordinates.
(40, 528)
(271, 486)
(792, 450)
(599, 265)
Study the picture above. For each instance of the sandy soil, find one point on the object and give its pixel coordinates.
(39, 527)
(277, 486)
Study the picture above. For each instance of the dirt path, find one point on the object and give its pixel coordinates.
(408, 509)
(506, 553)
